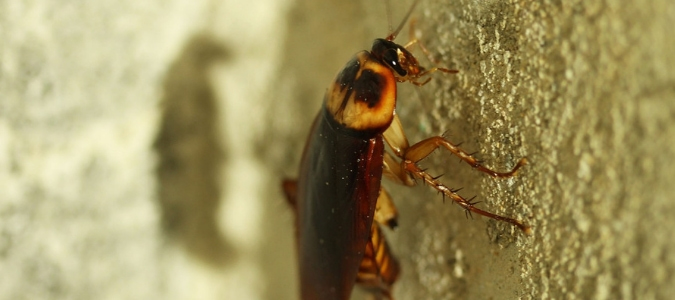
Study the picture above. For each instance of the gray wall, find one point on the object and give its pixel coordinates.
(141, 146)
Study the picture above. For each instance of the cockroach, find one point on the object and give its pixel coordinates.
(337, 195)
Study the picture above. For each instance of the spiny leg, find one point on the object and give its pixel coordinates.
(466, 204)
(422, 149)
(411, 155)
(393, 170)
(415, 41)
(395, 138)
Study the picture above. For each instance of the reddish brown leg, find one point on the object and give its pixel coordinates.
(422, 149)
(385, 210)
(411, 155)
(412, 167)
(393, 171)
(428, 72)
(291, 190)
(395, 138)
(415, 41)
(379, 269)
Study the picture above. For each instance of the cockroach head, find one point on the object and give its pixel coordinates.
(403, 63)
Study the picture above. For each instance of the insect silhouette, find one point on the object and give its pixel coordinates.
(338, 201)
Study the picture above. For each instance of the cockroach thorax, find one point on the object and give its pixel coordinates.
(363, 96)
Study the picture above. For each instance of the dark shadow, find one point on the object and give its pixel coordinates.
(190, 154)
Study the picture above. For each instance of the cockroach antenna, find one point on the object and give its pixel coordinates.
(392, 35)
(387, 4)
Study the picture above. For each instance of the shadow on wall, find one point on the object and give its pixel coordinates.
(190, 153)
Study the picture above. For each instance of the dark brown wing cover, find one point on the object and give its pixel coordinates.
(337, 191)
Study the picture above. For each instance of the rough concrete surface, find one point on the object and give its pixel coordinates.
(584, 89)
(142, 144)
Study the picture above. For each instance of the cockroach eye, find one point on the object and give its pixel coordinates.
(391, 58)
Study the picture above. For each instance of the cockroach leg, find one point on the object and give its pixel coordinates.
(392, 169)
(385, 210)
(291, 190)
(411, 43)
(468, 205)
(417, 83)
(425, 73)
(428, 72)
(397, 141)
(378, 269)
(414, 40)
(411, 155)
(436, 69)
(395, 137)
(422, 149)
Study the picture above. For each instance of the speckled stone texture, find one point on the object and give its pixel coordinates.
(142, 145)
(586, 91)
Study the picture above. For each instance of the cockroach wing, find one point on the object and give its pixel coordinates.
(337, 191)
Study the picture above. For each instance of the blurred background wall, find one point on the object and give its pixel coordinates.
(125, 165)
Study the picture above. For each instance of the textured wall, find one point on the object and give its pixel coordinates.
(116, 160)
(585, 90)
(141, 146)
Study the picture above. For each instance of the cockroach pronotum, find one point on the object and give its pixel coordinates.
(338, 195)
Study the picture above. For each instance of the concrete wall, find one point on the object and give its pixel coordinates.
(585, 90)
(141, 146)
(120, 142)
